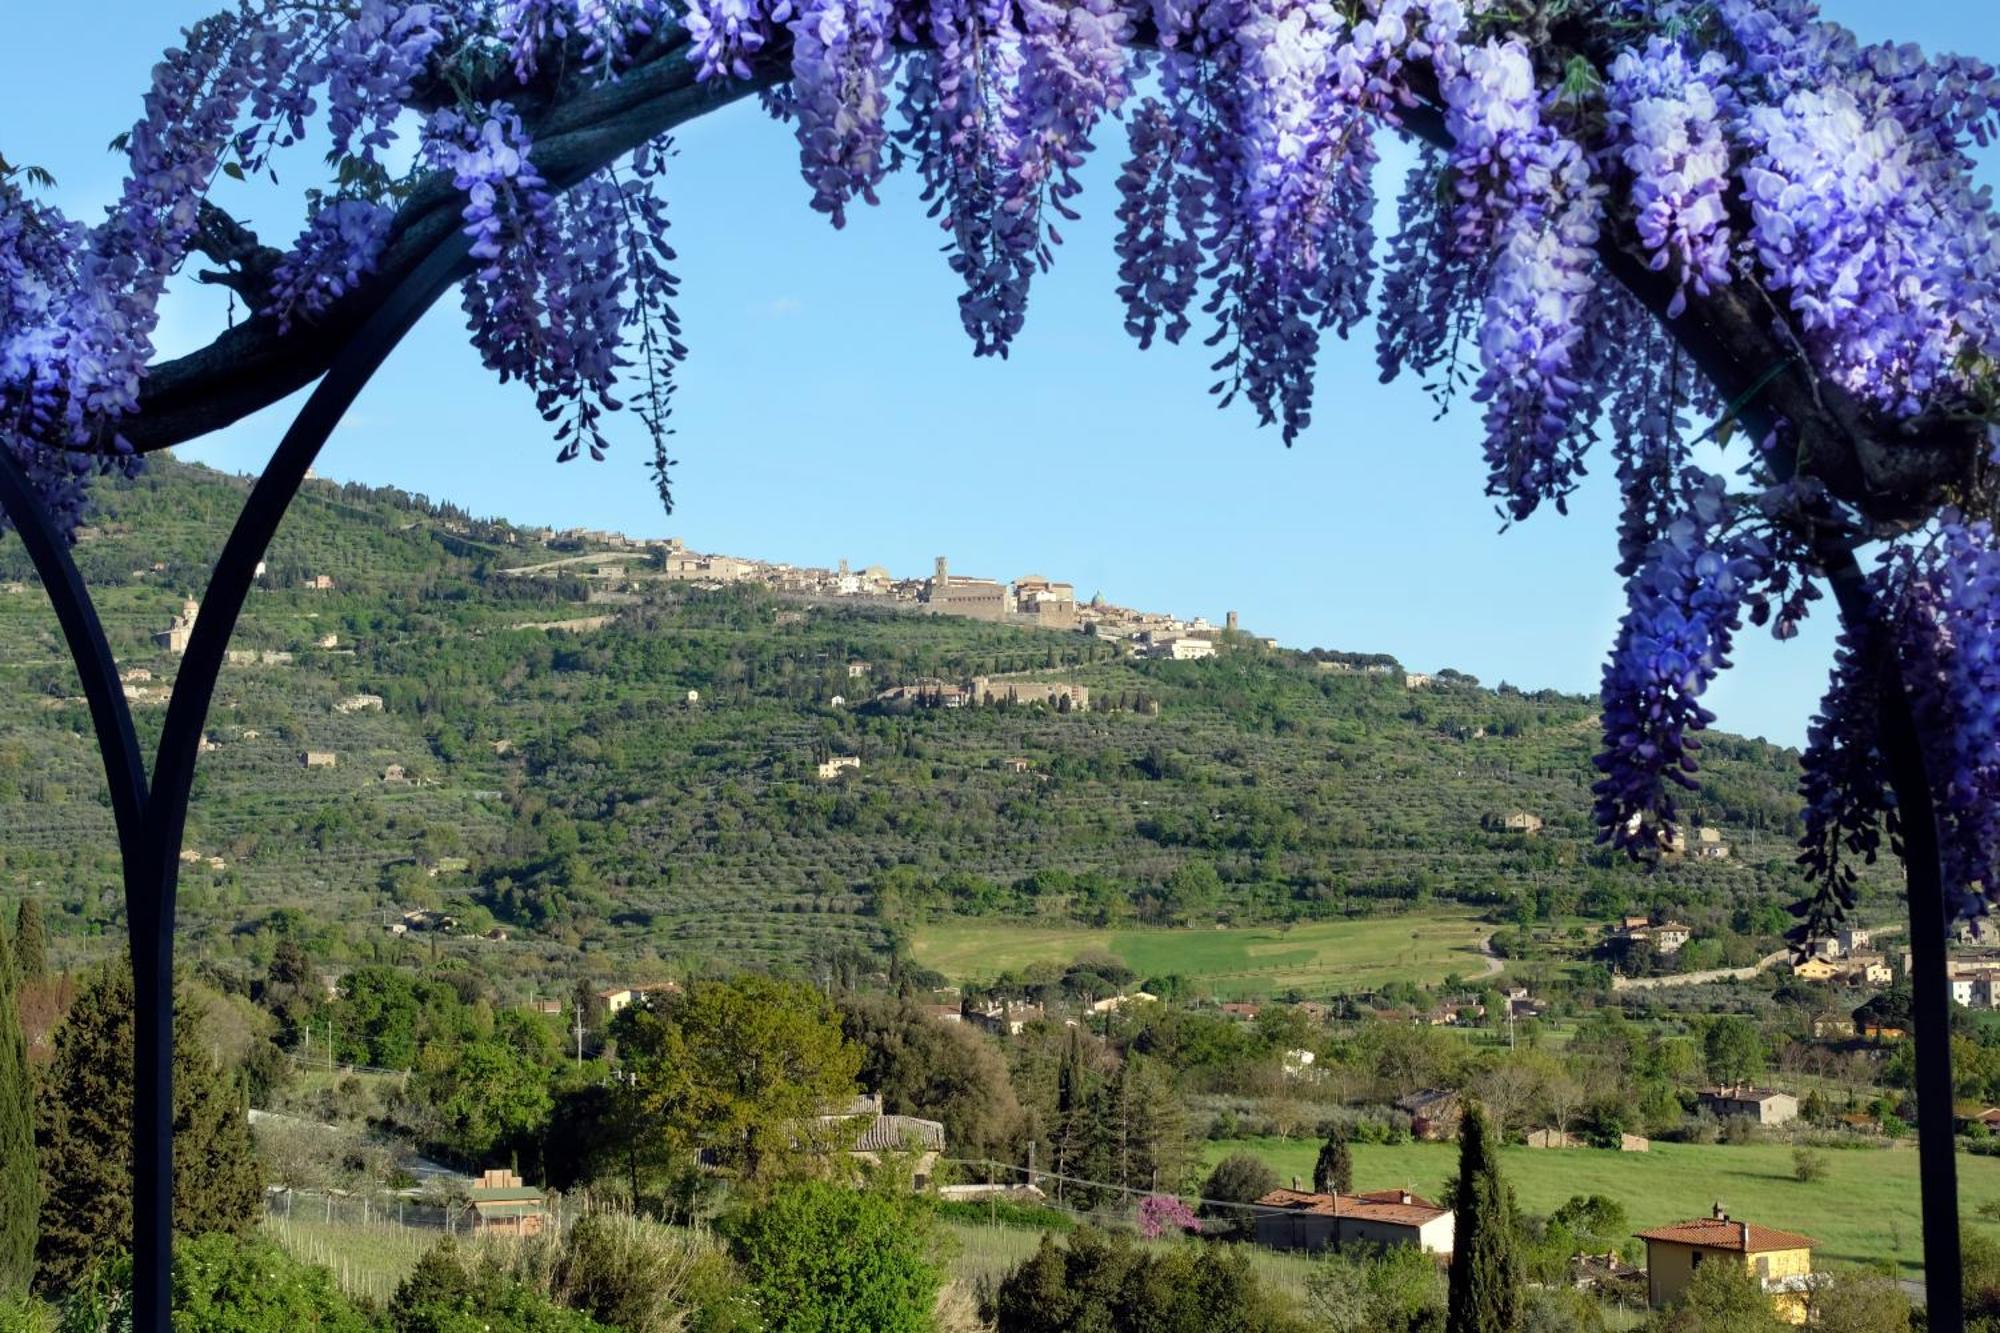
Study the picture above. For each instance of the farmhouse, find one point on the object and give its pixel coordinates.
(503, 1206)
(1514, 821)
(623, 997)
(830, 769)
(1781, 1260)
(1766, 1106)
(1870, 968)
(319, 759)
(1669, 936)
(866, 1134)
(1709, 846)
(1434, 1113)
(1003, 1018)
(1295, 1220)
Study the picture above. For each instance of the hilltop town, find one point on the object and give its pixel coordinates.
(1030, 601)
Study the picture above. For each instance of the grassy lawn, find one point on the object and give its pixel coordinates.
(1864, 1210)
(1321, 957)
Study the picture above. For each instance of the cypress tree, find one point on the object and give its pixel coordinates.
(1485, 1264)
(20, 1182)
(31, 943)
(1333, 1172)
(84, 1134)
(1072, 1119)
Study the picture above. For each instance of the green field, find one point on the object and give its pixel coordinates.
(1318, 958)
(1864, 1210)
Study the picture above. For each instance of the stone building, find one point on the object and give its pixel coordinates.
(1766, 1106)
(1052, 605)
(958, 595)
(174, 638)
(987, 691)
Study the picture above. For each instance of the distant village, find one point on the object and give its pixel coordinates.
(1031, 601)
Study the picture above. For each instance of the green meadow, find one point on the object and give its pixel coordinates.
(1318, 958)
(1863, 1211)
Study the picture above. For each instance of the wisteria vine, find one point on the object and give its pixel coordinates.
(1733, 146)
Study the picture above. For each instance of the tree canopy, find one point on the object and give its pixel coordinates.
(84, 1136)
(741, 1069)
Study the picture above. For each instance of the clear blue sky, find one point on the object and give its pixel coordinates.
(832, 409)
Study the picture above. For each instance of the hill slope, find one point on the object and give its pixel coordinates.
(558, 783)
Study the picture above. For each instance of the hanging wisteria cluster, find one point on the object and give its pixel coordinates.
(1725, 146)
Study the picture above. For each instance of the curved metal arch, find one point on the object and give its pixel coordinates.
(152, 822)
(110, 717)
(638, 113)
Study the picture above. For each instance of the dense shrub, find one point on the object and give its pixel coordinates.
(821, 1258)
(1240, 1178)
(452, 1292)
(227, 1284)
(641, 1278)
(1103, 1282)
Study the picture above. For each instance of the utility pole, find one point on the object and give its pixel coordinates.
(579, 1036)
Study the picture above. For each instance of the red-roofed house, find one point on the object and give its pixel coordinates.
(1295, 1220)
(1782, 1260)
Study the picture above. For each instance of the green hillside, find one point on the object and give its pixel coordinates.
(560, 785)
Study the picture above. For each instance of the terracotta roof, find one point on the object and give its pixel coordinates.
(898, 1133)
(1376, 1206)
(1398, 1196)
(1419, 1102)
(1710, 1233)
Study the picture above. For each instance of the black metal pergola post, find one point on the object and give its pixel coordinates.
(1930, 929)
(151, 821)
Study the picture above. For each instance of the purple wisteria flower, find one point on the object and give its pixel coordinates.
(340, 246)
(840, 76)
(1685, 604)
(1665, 112)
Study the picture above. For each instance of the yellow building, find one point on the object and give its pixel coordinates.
(1782, 1260)
(1817, 969)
